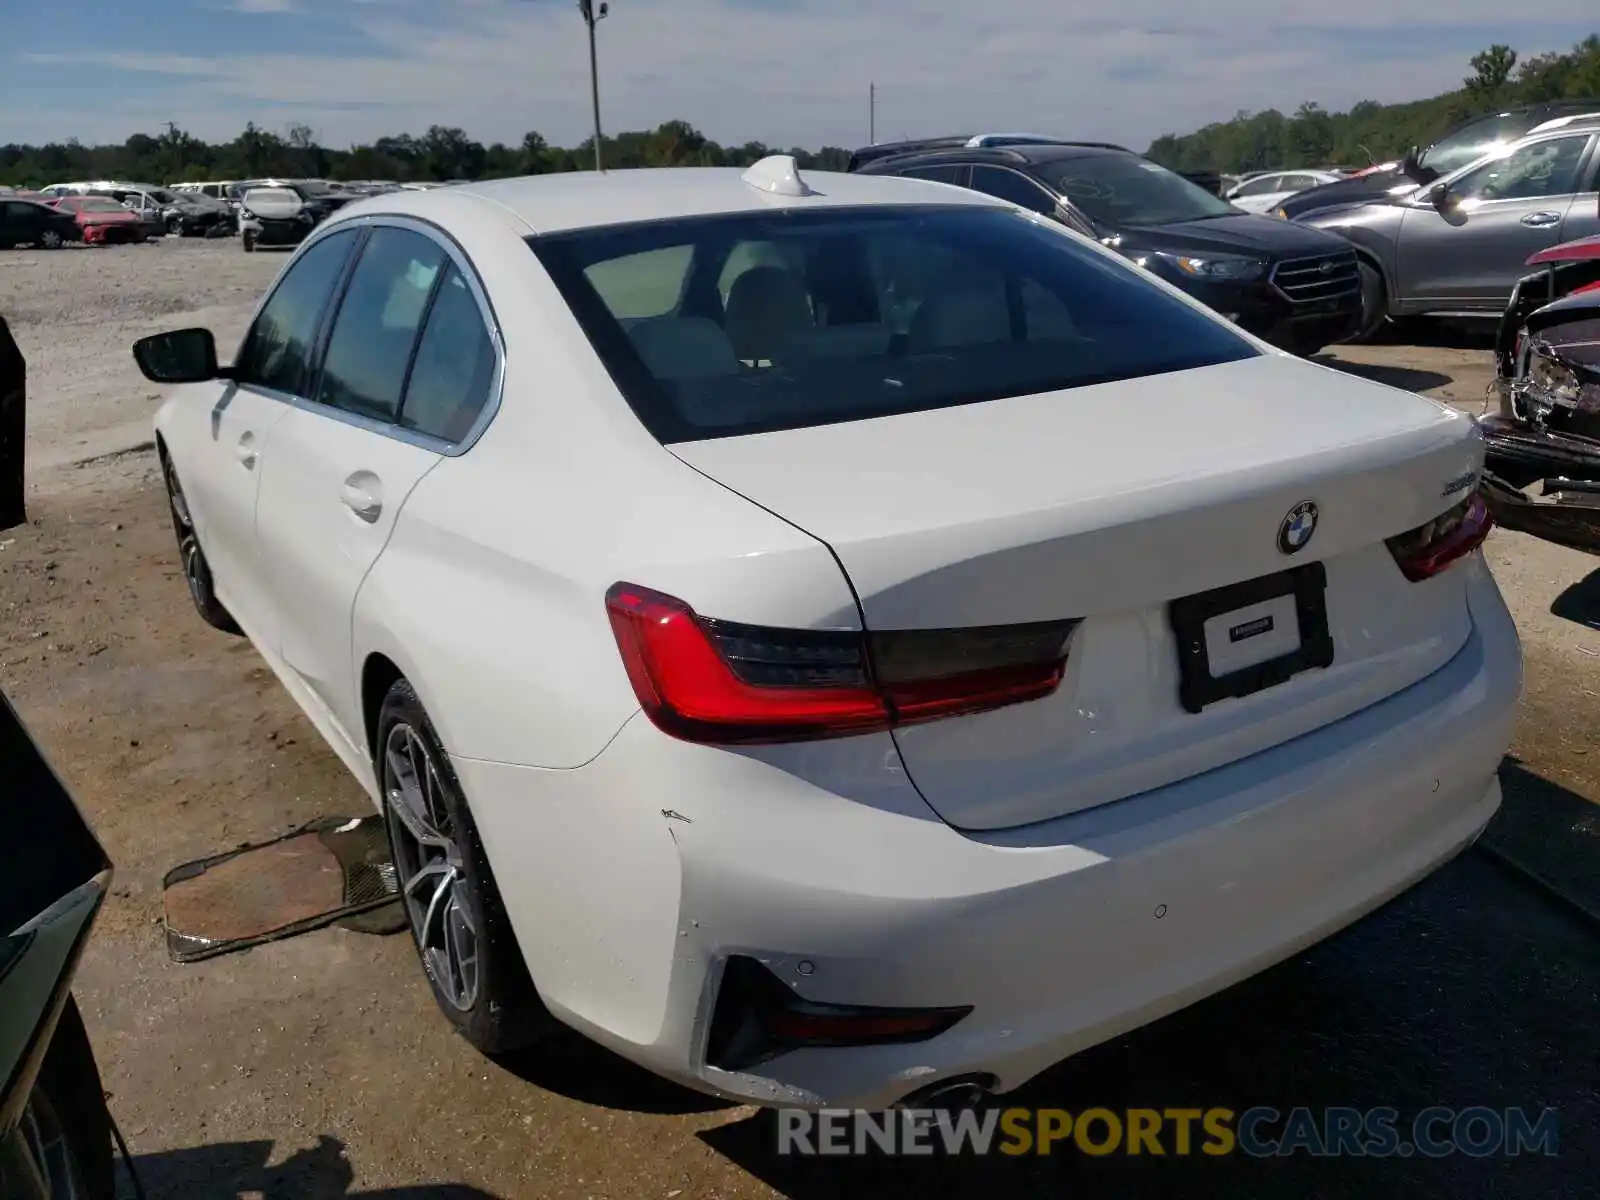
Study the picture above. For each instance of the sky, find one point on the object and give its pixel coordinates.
(784, 72)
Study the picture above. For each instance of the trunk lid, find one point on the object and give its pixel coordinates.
(1106, 503)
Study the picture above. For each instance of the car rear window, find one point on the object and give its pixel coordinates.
(753, 322)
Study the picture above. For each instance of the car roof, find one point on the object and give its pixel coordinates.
(1012, 155)
(584, 199)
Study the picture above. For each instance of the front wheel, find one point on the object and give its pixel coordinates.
(175, 226)
(196, 570)
(458, 922)
(50, 239)
(248, 240)
(1374, 304)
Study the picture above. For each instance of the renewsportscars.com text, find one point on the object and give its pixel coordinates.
(1260, 1132)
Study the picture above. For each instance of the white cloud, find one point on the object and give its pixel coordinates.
(796, 72)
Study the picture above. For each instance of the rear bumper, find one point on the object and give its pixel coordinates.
(1517, 455)
(631, 880)
(101, 235)
(275, 233)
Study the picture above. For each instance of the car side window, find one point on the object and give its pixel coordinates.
(1547, 168)
(1008, 185)
(1264, 186)
(454, 367)
(955, 173)
(364, 367)
(277, 352)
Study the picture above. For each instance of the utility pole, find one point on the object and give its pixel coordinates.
(872, 114)
(591, 17)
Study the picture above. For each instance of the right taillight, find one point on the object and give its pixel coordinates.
(1423, 552)
(705, 680)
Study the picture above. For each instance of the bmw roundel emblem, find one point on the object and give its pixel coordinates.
(1297, 527)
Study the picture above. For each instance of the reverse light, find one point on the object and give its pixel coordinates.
(1423, 552)
(705, 680)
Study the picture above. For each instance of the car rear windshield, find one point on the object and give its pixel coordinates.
(753, 322)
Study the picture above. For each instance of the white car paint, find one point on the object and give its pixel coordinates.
(1072, 866)
(1249, 196)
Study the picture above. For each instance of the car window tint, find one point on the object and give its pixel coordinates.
(1547, 168)
(939, 173)
(364, 368)
(746, 256)
(278, 348)
(649, 284)
(1264, 186)
(454, 367)
(966, 304)
(1008, 185)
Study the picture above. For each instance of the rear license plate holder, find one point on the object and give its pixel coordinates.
(1198, 688)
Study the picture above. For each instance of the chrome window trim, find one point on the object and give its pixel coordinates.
(458, 257)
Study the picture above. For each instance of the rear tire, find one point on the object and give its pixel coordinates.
(248, 240)
(51, 240)
(196, 570)
(1374, 304)
(458, 922)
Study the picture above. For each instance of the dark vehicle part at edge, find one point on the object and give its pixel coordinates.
(55, 1129)
(1546, 431)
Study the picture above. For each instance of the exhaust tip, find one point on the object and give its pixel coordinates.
(952, 1095)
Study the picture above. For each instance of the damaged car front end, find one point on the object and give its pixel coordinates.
(1542, 468)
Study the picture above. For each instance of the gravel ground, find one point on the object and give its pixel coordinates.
(318, 1067)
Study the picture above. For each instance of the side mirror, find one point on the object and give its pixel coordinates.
(182, 356)
(1439, 196)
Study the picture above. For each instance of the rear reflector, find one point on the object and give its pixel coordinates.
(1423, 552)
(757, 1017)
(715, 681)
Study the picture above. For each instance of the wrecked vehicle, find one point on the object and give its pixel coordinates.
(274, 216)
(1545, 431)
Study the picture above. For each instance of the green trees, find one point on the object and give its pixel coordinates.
(1314, 137)
(443, 152)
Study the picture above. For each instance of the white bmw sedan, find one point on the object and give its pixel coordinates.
(840, 640)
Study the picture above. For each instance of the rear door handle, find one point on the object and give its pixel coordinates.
(360, 501)
(1540, 220)
(246, 450)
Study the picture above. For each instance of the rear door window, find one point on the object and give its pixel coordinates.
(847, 314)
(454, 368)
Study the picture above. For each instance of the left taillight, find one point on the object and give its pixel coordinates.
(1423, 552)
(705, 680)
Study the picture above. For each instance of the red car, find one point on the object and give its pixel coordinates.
(102, 220)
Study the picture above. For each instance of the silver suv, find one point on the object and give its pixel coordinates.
(1456, 247)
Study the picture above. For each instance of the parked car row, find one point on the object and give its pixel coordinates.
(1297, 287)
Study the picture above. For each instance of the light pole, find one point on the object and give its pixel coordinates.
(591, 17)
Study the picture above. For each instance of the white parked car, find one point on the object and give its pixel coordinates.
(1263, 193)
(840, 640)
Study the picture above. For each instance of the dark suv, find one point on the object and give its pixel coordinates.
(1298, 288)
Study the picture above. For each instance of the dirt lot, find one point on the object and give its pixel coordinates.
(318, 1067)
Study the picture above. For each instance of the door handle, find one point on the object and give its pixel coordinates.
(1540, 220)
(360, 501)
(246, 451)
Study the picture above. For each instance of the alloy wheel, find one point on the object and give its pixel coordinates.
(50, 240)
(430, 867)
